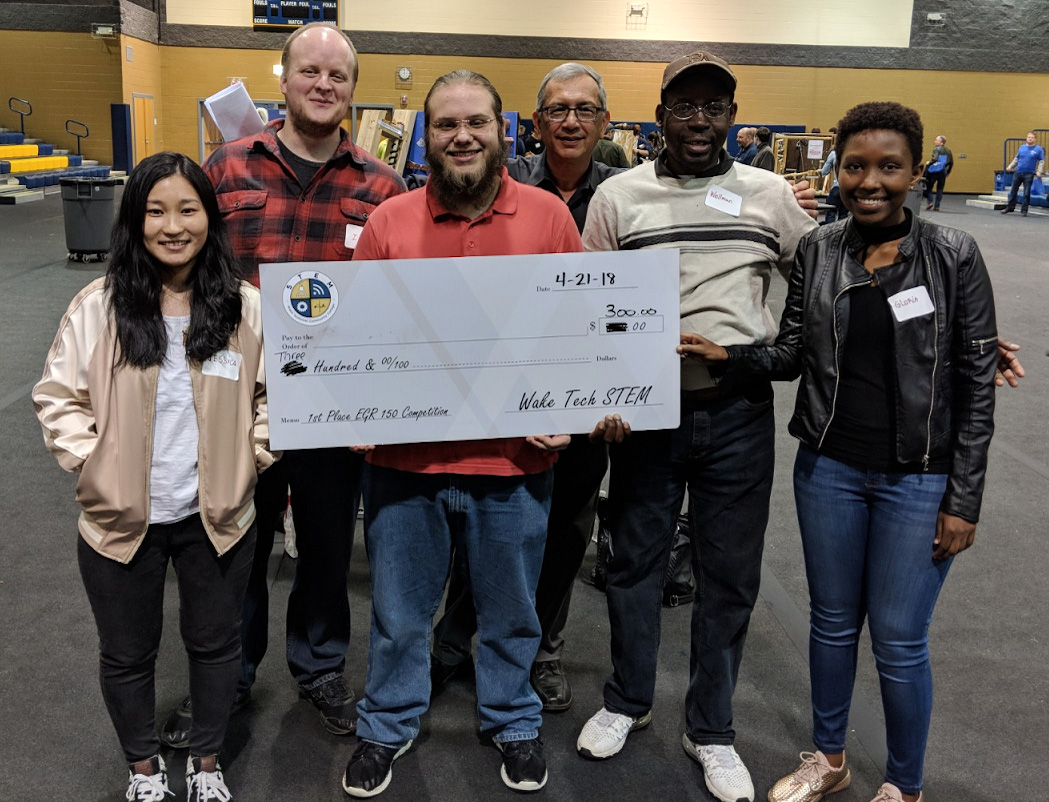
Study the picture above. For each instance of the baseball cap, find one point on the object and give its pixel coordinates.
(694, 61)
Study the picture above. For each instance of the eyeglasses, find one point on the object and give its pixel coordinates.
(450, 127)
(584, 114)
(714, 110)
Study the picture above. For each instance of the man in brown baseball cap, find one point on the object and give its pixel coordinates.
(699, 59)
(734, 226)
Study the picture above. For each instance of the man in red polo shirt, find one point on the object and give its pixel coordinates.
(487, 499)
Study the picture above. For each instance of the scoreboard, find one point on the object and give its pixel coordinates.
(284, 14)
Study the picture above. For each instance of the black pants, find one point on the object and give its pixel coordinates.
(325, 486)
(577, 480)
(128, 604)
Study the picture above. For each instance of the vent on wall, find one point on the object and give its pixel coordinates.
(103, 31)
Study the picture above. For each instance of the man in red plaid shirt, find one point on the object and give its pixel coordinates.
(300, 190)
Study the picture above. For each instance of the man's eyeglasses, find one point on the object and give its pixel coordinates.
(584, 114)
(449, 127)
(714, 110)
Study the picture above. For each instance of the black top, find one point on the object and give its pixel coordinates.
(862, 432)
(536, 173)
(303, 168)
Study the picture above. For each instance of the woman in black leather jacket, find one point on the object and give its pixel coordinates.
(890, 323)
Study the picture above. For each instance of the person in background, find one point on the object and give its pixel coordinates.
(764, 158)
(837, 210)
(748, 149)
(607, 152)
(888, 320)
(533, 144)
(655, 144)
(299, 191)
(1028, 163)
(169, 332)
(939, 166)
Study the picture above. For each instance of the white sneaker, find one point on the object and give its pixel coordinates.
(723, 770)
(605, 733)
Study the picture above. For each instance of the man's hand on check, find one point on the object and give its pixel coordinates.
(549, 442)
(611, 429)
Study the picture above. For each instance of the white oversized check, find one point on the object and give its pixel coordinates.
(407, 351)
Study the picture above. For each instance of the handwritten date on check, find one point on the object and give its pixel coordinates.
(407, 351)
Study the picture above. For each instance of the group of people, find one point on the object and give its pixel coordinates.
(889, 322)
(755, 147)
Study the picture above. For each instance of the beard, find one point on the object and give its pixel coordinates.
(315, 129)
(454, 188)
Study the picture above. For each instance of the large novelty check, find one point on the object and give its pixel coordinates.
(406, 351)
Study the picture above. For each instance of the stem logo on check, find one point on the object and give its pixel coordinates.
(310, 298)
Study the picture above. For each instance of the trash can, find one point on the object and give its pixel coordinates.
(87, 206)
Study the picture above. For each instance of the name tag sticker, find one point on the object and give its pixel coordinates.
(914, 302)
(723, 200)
(224, 364)
(353, 233)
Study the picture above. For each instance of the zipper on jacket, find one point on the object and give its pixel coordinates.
(981, 343)
(837, 350)
(935, 361)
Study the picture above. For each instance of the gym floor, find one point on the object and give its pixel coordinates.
(989, 633)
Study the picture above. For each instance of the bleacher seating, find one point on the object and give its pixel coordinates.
(28, 166)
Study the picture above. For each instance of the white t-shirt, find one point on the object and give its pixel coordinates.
(173, 480)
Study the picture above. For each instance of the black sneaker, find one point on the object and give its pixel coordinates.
(205, 786)
(524, 767)
(336, 704)
(152, 787)
(371, 768)
(175, 732)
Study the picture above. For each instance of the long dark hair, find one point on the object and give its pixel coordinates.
(133, 279)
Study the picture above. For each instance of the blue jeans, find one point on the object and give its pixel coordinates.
(325, 495)
(1027, 179)
(723, 454)
(573, 507)
(867, 538)
(497, 527)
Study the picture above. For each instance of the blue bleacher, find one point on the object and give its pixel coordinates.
(51, 179)
(11, 138)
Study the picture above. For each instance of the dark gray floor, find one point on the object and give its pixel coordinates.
(990, 636)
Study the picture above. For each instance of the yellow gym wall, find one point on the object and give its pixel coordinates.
(807, 96)
(64, 76)
(855, 23)
(75, 76)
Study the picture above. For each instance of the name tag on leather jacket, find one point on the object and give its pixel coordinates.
(910, 303)
(224, 364)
